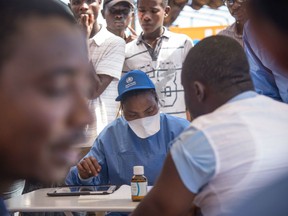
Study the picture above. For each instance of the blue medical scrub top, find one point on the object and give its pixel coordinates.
(268, 77)
(3, 210)
(118, 149)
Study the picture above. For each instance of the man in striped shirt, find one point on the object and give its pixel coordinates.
(107, 52)
(160, 54)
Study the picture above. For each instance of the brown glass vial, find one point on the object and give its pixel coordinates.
(138, 184)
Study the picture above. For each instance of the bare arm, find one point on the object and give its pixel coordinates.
(99, 83)
(168, 197)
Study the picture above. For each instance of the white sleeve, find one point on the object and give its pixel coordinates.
(194, 159)
(187, 46)
(112, 61)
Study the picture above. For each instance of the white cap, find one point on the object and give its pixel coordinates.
(138, 170)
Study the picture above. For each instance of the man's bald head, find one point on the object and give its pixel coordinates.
(216, 68)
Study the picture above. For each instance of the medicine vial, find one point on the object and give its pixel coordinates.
(138, 184)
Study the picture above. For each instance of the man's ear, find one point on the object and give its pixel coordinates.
(157, 99)
(167, 11)
(200, 91)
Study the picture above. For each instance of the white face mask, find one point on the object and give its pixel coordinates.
(145, 127)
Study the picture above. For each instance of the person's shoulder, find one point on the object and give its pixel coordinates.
(174, 120)
(115, 40)
(179, 36)
(281, 105)
(110, 38)
(132, 44)
(224, 32)
(133, 48)
(179, 40)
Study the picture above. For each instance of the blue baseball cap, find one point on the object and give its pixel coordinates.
(133, 80)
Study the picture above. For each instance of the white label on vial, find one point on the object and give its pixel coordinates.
(139, 188)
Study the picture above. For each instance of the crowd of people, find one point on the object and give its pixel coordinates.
(100, 99)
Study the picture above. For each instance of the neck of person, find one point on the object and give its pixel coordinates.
(218, 98)
(96, 28)
(152, 37)
(119, 33)
(239, 27)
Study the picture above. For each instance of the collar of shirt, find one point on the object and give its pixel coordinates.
(101, 36)
(166, 34)
(154, 51)
(244, 95)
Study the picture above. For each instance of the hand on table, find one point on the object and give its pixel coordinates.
(88, 167)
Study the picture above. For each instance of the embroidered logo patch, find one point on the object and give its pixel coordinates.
(129, 80)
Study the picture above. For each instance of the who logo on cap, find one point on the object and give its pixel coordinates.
(133, 80)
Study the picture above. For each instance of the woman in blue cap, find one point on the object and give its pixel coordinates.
(141, 136)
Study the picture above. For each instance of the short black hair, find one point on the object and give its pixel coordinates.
(218, 62)
(274, 11)
(14, 11)
(138, 92)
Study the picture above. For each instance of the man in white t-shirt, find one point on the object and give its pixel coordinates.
(107, 53)
(236, 145)
(160, 54)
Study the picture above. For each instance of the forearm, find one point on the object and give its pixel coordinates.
(94, 90)
(72, 177)
(154, 205)
(151, 206)
(98, 85)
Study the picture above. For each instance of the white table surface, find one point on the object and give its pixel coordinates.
(38, 201)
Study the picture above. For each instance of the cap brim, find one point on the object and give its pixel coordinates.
(114, 2)
(119, 98)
